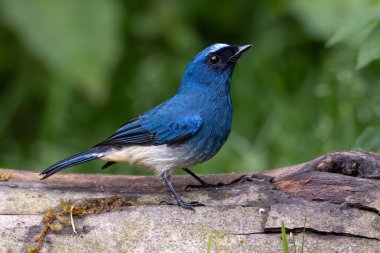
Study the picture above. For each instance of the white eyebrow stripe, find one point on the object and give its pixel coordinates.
(217, 47)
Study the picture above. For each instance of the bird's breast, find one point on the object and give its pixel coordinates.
(158, 158)
(215, 129)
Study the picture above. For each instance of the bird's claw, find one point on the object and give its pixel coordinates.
(208, 186)
(181, 203)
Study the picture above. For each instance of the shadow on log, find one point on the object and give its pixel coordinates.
(339, 194)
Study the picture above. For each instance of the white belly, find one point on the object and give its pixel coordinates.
(158, 158)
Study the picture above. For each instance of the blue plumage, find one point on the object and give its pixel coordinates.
(185, 130)
(156, 128)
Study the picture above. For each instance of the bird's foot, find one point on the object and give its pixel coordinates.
(184, 204)
(205, 185)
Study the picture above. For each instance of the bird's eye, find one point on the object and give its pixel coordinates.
(214, 59)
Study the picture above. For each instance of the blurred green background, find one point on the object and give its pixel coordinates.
(71, 72)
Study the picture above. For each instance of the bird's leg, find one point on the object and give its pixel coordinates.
(205, 185)
(166, 176)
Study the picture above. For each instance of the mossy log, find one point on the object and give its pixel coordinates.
(338, 193)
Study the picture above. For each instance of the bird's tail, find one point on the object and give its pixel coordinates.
(82, 157)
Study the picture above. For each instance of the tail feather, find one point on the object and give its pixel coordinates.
(86, 156)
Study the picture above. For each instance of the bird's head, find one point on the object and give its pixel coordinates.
(212, 67)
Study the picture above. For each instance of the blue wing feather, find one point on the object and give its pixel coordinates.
(156, 130)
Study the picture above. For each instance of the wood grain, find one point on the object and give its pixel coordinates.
(338, 193)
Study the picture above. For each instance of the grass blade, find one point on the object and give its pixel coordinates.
(303, 235)
(284, 240)
(293, 242)
(209, 243)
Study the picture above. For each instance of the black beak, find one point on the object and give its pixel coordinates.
(240, 50)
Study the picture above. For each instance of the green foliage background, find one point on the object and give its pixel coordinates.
(72, 71)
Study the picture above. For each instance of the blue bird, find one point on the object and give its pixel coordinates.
(183, 131)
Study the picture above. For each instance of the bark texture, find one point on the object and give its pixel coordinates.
(338, 193)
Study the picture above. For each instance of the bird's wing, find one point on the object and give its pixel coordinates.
(155, 130)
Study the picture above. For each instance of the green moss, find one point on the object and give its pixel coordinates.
(5, 175)
(55, 218)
